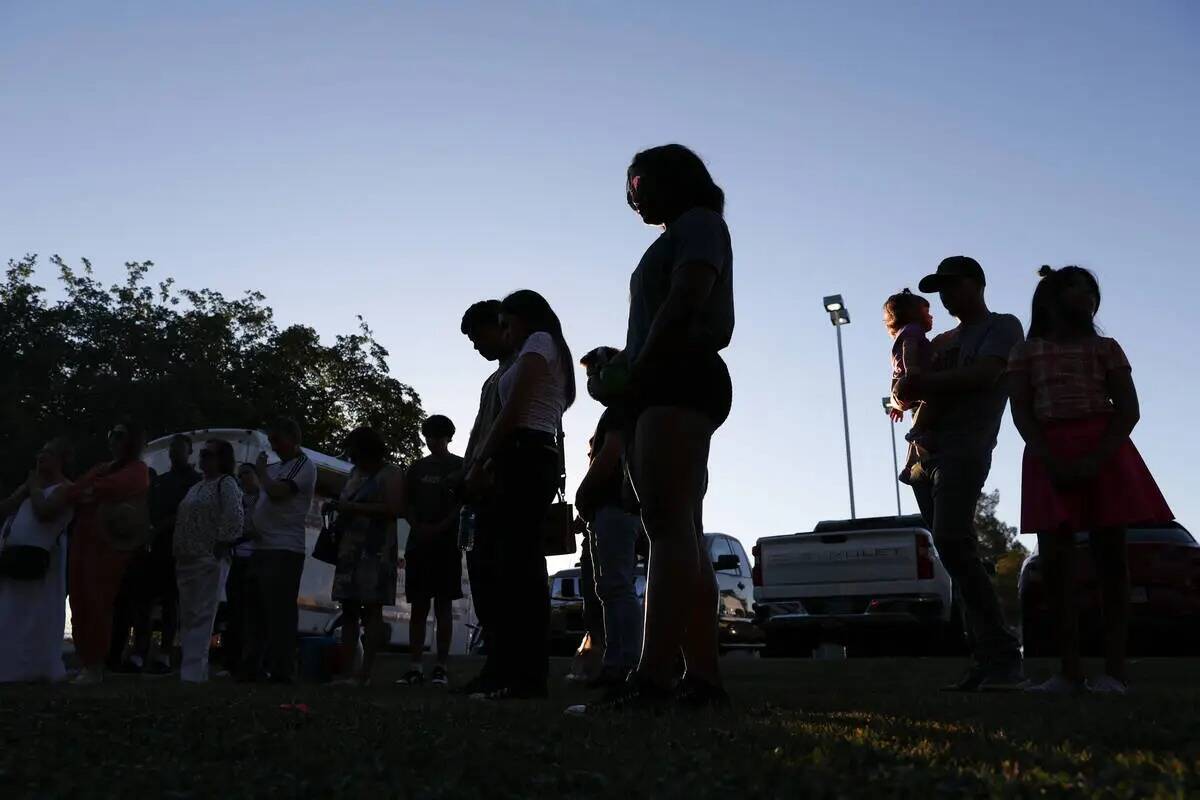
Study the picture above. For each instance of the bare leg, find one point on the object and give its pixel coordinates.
(1059, 553)
(350, 620)
(1112, 567)
(443, 615)
(669, 465)
(372, 641)
(416, 631)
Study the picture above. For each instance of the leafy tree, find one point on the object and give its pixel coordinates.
(178, 359)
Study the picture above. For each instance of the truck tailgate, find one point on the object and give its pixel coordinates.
(852, 557)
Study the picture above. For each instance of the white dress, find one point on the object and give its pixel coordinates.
(33, 613)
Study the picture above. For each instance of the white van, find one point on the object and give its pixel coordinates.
(319, 613)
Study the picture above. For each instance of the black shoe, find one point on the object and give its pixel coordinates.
(480, 684)
(700, 695)
(634, 696)
(970, 680)
(609, 678)
(440, 677)
(1005, 677)
(414, 677)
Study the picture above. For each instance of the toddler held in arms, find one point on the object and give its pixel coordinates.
(908, 319)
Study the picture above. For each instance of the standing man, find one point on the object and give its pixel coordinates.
(603, 499)
(481, 324)
(273, 580)
(153, 572)
(432, 560)
(966, 384)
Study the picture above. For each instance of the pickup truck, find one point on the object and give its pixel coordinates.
(874, 585)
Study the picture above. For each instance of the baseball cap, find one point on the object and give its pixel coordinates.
(953, 268)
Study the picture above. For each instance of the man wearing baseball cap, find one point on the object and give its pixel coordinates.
(966, 386)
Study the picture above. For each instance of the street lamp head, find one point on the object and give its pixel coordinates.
(834, 303)
(887, 404)
(840, 317)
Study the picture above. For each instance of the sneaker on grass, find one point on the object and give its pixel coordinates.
(414, 677)
(1056, 685)
(1107, 684)
(440, 677)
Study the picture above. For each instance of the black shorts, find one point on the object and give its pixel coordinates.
(433, 573)
(699, 382)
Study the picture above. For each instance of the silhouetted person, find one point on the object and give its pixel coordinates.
(966, 387)
(33, 551)
(613, 535)
(1075, 404)
(517, 468)
(280, 519)
(101, 543)
(364, 579)
(481, 324)
(907, 318)
(432, 558)
(675, 391)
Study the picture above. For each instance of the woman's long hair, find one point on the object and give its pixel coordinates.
(678, 179)
(1049, 313)
(537, 314)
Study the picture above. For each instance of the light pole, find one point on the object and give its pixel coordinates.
(839, 316)
(887, 407)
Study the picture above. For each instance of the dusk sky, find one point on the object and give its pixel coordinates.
(401, 161)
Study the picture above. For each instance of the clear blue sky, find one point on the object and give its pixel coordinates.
(400, 161)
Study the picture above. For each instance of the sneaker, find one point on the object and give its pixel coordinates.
(699, 695)
(440, 677)
(158, 669)
(222, 673)
(634, 696)
(969, 682)
(1056, 685)
(414, 677)
(1107, 684)
(88, 676)
(1008, 677)
(609, 677)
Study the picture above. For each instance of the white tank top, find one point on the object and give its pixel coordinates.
(27, 529)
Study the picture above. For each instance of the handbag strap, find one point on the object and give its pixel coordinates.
(562, 462)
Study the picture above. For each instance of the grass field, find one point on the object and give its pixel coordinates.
(803, 729)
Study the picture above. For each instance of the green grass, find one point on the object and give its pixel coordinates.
(802, 729)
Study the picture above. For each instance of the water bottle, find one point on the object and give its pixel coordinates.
(466, 529)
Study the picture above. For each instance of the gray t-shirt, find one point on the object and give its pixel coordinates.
(967, 423)
(281, 524)
(697, 235)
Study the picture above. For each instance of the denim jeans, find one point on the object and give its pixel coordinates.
(947, 491)
(614, 560)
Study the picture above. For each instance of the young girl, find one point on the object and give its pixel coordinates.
(1075, 405)
(908, 319)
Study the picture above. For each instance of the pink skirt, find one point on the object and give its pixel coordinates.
(1123, 494)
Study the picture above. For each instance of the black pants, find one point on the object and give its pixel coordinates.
(482, 563)
(272, 583)
(234, 637)
(947, 492)
(519, 647)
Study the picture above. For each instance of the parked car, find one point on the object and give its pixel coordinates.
(875, 585)
(738, 628)
(1164, 573)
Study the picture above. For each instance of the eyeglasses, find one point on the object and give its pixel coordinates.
(632, 185)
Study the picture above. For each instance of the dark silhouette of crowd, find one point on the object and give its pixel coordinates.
(130, 547)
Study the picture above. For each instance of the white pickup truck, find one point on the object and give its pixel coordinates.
(875, 585)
